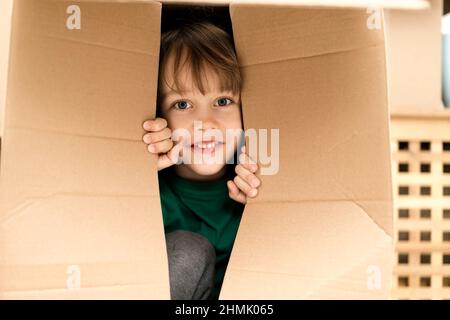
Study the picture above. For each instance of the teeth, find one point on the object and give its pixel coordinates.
(209, 145)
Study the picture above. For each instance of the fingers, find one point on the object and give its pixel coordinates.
(159, 140)
(245, 187)
(235, 194)
(246, 183)
(247, 162)
(161, 147)
(157, 124)
(251, 179)
(170, 158)
(157, 136)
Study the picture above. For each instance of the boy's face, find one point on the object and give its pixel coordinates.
(218, 111)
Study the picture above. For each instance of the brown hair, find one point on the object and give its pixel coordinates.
(201, 44)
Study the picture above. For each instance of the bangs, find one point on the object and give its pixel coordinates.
(199, 47)
(229, 80)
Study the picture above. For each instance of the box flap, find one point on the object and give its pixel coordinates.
(308, 250)
(5, 30)
(43, 32)
(327, 96)
(78, 188)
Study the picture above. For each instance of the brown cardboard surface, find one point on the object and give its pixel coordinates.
(5, 22)
(77, 186)
(318, 226)
(414, 58)
(397, 4)
(312, 250)
(79, 189)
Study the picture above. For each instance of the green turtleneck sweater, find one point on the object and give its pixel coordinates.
(205, 208)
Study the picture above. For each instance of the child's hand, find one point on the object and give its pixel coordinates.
(159, 140)
(245, 184)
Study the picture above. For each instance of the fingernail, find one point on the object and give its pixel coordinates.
(255, 183)
(147, 125)
(253, 192)
(151, 147)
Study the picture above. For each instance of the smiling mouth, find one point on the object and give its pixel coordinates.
(206, 146)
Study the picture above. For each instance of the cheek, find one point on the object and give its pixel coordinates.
(176, 122)
(232, 120)
(237, 119)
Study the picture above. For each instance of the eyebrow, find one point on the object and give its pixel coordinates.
(164, 96)
(171, 93)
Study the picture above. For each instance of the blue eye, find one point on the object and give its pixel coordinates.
(182, 105)
(222, 102)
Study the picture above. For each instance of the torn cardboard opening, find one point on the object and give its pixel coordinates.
(80, 215)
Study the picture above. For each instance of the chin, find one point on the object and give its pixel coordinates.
(206, 169)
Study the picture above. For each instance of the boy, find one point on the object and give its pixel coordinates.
(202, 201)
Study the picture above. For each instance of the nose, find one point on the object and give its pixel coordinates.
(207, 117)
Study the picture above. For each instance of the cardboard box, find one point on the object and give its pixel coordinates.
(414, 58)
(79, 202)
(80, 215)
(5, 23)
